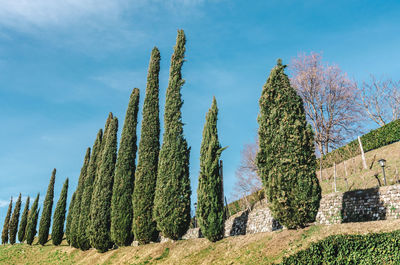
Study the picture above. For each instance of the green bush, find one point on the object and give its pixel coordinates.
(373, 248)
(377, 138)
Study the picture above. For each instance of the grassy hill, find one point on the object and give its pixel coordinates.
(262, 248)
(350, 175)
(360, 178)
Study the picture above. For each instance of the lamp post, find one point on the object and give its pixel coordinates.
(382, 163)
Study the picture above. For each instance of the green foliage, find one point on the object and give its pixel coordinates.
(44, 225)
(14, 221)
(144, 227)
(24, 220)
(84, 215)
(210, 203)
(172, 198)
(4, 235)
(382, 248)
(286, 159)
(32, 221)
(100, 209)
(74, 232)
(69, 218)
(57, 231)
(121, 203)
(382, 136)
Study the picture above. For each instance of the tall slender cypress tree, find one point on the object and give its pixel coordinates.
(144, 227)
(172, 198)
(4, 235)
(24, 220)
(124, 178)
(84, 217)
(210, 205)
(286, 158)
(45, 220)
(69, 218)
(57, 231)
(100, 209)
(32, 221)
(14, 221)
(74, 233)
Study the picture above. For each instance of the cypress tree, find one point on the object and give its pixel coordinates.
(32, 221)
(69, 219)
(14, 221)
(73, 232)
(57, 231)
(210, 205)
(4, 235)
(45, 220)
(172, 198)
(84, 217)
(121, 203)
(24, 220)
(144, 227)
(100, 208)
(286, 158)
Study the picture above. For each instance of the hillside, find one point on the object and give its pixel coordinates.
(359, 178)
(261, 248)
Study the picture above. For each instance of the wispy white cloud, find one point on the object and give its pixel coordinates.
(89, 26)
(23, 14)
(40, 14)
(4, 203)
(123, 80)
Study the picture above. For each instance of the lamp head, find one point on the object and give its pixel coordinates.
(382, 162)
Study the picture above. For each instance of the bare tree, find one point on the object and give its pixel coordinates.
(329, 97)
(247, 180)
(380, 100)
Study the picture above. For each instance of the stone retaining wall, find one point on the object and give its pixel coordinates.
(360, 205)
(353, 206)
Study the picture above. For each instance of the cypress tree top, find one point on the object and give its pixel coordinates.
(100, 209)
(69, 218)
(4, 235)
(172, 198)
(24, 220)
(84, 216)
(44, 225)
(32, 221)
(57, 231)
(74, 233)
(14, 221)
(121, 204)
(144, 227)
(286, 158)
(210, 206)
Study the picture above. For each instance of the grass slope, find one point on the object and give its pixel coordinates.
(262, 248)
(352, 170)
(360, 178)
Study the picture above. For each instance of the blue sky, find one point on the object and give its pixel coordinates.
(64, 66)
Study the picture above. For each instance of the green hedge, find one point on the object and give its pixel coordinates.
(380, 248)
(377, 138)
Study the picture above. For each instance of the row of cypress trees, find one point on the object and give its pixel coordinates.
(29, 218)
(114, 202)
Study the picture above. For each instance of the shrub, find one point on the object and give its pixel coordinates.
(373, 248)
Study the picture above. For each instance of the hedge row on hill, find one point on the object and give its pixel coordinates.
(382, 136)
(382, 248)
